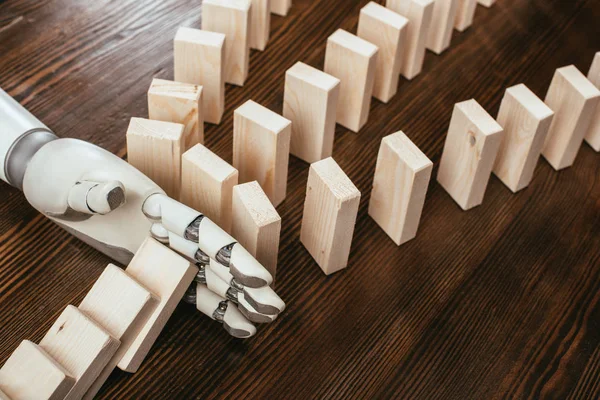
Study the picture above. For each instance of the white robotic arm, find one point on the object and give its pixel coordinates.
(112, 206)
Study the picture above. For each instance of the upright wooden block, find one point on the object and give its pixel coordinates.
(261, 148)
(81, 346)
(281, 7)
(260, 24)
(256, 224)
(200, 59)
(207, 184)
(155, 148)
(310, 103)
(472, 145)
(399, 187)
(593, 134)
(486, 3)
(388, 31)
(181, 103)
(166, 274)
(32, 374)
(232, 18)
(465, 14)
(330, 210)
(419, 14)
(442, 25)
(574, 100)
(353, 61)
(121, 306)
(526, 120)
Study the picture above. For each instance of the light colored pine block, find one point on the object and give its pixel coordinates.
(232, 18)
(261, 148)
(388, 31)
(486, 3)
(181, 103)
(31, 374)
(200, 59)
(526, 120)
(3, 396)
(353, 61)
(155, 148)
(465, 14)
(442, 25)
(310, 103)
(121, 306)
(256, 224)
(574, 100)
(166, 274)
(593, 133)
(81, 346)
(472, 145)
(330, 211)
(399, 187)
(419, 14)
(281, 7)
(207, 183)
(260, 24)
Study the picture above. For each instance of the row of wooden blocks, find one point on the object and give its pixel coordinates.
(116, 324)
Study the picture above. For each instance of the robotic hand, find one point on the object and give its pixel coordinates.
(112, 206)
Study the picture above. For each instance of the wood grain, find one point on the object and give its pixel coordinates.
(502, 301)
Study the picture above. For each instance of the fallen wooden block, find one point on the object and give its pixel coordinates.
(526, 120)
(81, 346)
(121, 306)
(281, 7)
(399, 187)
(167, 275)
(232, 18)
(465, 14)
(256, 224)
(261, 148)
(181, 103)
(442, 25)
(155, 148)
(32, 374)
(388, 31)
(352, 60)
(207, 183)
(330, 210)
(593, 134)
(310, 103)
(260, 24)
(486, 3)
(574, 100)
(200, 59)
(472, 144)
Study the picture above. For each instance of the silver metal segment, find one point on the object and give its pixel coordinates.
(22, 151)
(219, 313)
(190, 294)
(115, 198)
(192, 231)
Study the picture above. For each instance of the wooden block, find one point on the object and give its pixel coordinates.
(155, 148)
(207, 184)
(260, 24)
(330, 210)
(442, 25)
(281, 7)
(486, 3)
(121, 306)
(353, 61)
(470, 151)
(310, 103)
(399, 187)
(32, 374)
(81, 346)
(593, 134)
(3, 396)
(166, 274)
(181, 103)
(574, 100)
(526, 120)
(388, 31)
(256, 224)
(261, 148)
(465, 14)
(419, 14)
(232, 18)
(200, 60)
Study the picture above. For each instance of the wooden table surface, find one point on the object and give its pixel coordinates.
(502, 300)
